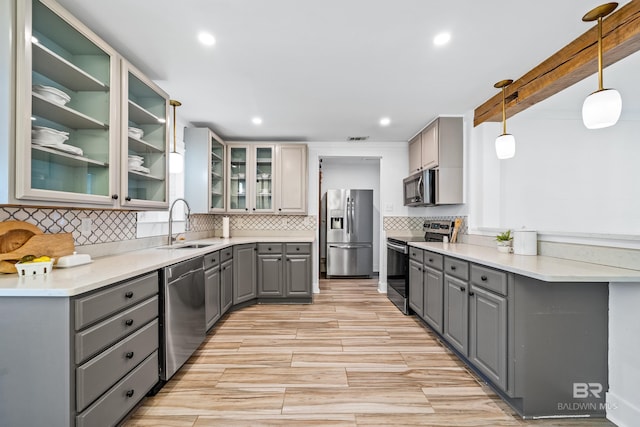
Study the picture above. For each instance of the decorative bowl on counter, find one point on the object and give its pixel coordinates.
(51, 94)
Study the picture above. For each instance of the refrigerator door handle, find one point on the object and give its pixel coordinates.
(347, 212)
(349, 246)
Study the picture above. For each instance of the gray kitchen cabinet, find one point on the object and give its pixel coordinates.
(298, 270)
(488, 334)
(226, 280)
(270, 274)
(244, 273)
(415, 154)
(456, 313)
(87, 358)
(291, 179)
(284, 271)
(433, 297)
(212, 291)
(416, 287)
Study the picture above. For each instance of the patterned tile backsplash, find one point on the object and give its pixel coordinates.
(415, 222)
(268, 222)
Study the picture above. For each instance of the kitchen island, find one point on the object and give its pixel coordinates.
(534, 327)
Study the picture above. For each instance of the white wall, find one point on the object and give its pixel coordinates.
(356, 173)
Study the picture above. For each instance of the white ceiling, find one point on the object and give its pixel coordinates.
(324, 70)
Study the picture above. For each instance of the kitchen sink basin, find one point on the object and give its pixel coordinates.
(188, 246)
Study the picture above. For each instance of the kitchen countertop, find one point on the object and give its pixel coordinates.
(68, 282)
(538, 267)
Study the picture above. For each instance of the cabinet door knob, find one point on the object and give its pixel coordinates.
(462, 289)
(129, 355)
(254, 209)
(129, 294)
(114, 197)
(128, 198)
(297, 249)
(128, 322)
(130, 393)
(268, 249)
(279, 259)
(419, 269)
(483, 278)
(280, 209)
(471, 294)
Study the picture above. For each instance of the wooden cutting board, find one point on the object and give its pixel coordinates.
(19, 238)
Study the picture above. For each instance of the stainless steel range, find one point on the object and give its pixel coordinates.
(398, 260)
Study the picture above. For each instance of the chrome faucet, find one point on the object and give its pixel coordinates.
(186, 227)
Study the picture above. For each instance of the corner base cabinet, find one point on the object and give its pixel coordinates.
(533, 341)
(87, 361)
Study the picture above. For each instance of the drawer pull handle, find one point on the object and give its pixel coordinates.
(279, 259)
(297, 249)
(130, 393)
(430, 259)
(483, 278)
(128, 322)
(462, 289)
(453, 267)
(129, 355)
(129, 294)
(268, 249)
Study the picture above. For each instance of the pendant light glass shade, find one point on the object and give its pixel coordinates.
(505, 143)
(176, 164)
(602, 108)
(505, 146)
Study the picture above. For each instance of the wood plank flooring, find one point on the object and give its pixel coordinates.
(349, 359)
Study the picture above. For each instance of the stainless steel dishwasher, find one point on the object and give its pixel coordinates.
(183, 315)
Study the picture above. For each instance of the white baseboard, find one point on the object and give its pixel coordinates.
(622, 412)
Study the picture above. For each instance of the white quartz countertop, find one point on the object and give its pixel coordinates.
(538, 267)
(103, 271)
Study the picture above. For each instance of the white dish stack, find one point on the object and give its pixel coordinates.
(136, 133)
(51, 94)
(53, 138)
(135, 164)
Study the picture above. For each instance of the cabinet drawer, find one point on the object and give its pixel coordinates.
(211, 260)
(100, 373)
(298, 248)
(415, 254)
(105, 333)
(103, 303)
(269, 248)
(226, 254)
(118, 401)
(456, 268)
(433, 260)
(489, 278)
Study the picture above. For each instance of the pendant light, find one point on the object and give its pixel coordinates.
(602, 108)
(505, 143)
(175, 159)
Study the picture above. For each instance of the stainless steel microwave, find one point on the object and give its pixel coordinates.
(419, 188)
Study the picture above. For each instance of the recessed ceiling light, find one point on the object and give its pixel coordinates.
(385, 121)
(206, 39)
(256, 121)
(441, 39)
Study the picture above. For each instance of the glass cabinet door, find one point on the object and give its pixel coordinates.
(66, 139)
(264, 168)
(238, 179)
(144, 161)
(216, 177)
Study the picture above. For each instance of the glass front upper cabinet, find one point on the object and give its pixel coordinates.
(66, 133)
(144, 160)
(264, 168)
(216, 177)
(238, 157)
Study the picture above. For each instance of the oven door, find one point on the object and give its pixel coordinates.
(397, 275)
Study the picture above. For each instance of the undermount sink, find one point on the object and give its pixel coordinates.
(187, 246)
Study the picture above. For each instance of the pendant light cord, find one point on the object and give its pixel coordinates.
(600, 85)
(504, 111)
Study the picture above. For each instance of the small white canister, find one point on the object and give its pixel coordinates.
(525, 242)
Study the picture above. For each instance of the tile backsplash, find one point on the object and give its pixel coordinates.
(414, 223)
(268, 222)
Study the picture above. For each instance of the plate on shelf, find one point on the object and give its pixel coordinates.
(51, 94)
(135, 132)
(140, 169)
(60, 147)
(43, 134)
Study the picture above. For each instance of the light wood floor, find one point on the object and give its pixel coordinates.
(349, 359)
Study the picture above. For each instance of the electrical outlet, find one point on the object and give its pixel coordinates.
(85, 226)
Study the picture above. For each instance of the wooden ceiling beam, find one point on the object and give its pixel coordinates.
(569, 65)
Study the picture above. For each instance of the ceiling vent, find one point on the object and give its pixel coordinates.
(357, 138)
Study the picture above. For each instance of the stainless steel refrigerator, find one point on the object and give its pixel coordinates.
(349, 232)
